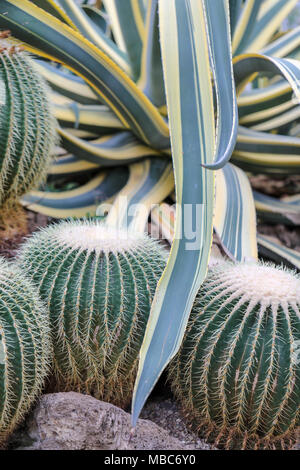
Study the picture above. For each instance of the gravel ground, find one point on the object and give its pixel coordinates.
(166, 414)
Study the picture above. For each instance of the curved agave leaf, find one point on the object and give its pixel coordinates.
(260, 99)
(151, 65)
(45, 35)
(128, 26)
(235, 7)
(150, 182)
(234, 216)
(258, 23)
(191, 115)
(98, 17)
(218, 32)
(287, 45)
(93, 118)
(50, 6)
(121, 148)
(266, 153)
(70, 165)
(274, 118)
(81, 201)
(95, 34)
(244, 27)
(247, 66)
(69, 85)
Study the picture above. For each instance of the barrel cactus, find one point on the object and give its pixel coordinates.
(98, 283)
(237, 373)
(25, 351)
(27, 126)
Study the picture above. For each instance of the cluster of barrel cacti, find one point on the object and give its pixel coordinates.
(237, 372)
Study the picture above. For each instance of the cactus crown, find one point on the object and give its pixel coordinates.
(24, 346)
(27, 126)
(98, 237)
(98, 283)
(237, 374)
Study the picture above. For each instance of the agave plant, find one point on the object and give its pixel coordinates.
(135, 80)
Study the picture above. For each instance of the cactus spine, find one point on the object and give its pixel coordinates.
(27, 128)
(24, 347)
(98, 283)
(237, 373)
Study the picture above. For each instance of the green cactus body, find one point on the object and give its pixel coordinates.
(25, 350)
(237, 373)
(27, 126)
(98, 283)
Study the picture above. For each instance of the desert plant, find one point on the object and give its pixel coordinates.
(237, 373)
(112, 60)
(98, 283)
(27, 125)
(25, 350)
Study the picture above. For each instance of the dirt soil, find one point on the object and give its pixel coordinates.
(165, 412)
(9, 244)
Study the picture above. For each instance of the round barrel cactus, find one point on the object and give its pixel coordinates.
(27, 126)
(98, 283)
(237, 374)
(25, 351)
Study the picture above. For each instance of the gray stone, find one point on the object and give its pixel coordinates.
(72, 421)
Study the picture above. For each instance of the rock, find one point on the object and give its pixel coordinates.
(72, 421)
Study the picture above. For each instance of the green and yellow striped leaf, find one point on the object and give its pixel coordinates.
(81, 201)
(121, 148)
(234, 216)
(149, 183)
(276, 118)
(98, 17)
(68, 165)
(258, 22)
(266, 153)
(260, 99)
(51, 6)
(95, 34)
(287, 45)
(68, 84)
(185, 46)
(247, 66)
(151, 80)
(245, 24)
(97, 119)
(235, 7)
(128, 25)
(218, 31)
(50, 38)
